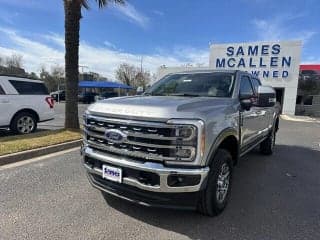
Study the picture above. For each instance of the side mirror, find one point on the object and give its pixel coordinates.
(266, 96)
(245, 101)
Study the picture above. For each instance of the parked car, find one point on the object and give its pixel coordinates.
(177, 144)
(86, 97)
(106, 95)
(23, 103)
(59, 95)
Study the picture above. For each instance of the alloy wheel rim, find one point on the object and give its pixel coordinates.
(223, 183)
(25, 124)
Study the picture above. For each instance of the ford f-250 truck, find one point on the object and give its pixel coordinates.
(176, 145)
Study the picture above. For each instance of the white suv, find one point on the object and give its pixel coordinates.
(23, 103)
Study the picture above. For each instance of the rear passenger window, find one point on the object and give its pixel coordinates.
(256, 83)
(2, 91)
(29, 88)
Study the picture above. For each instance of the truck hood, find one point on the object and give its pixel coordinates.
(159, 108)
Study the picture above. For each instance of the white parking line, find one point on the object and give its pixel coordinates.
(32, 160)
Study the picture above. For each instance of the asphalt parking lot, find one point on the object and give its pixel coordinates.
(58, 121)
(273, 197)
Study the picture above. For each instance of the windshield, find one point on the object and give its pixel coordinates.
(216, 84)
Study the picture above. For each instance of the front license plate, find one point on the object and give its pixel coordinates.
(112, 173)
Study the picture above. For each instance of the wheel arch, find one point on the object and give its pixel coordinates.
(228, 139)
(28, 110)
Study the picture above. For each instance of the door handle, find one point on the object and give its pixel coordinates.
(4, 101)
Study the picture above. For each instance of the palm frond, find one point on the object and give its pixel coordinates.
(85, 4)
(101, 3)
(104, 3)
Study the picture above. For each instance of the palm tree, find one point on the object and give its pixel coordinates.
(72, 10)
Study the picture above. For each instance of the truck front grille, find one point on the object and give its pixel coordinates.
(143, 140)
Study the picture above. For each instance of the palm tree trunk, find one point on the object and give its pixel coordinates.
(72, 11)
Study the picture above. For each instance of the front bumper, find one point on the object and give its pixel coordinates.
(154, 189)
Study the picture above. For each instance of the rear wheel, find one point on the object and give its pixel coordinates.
(23, 123)
(214, 198)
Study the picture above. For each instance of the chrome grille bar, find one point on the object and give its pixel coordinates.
(143, 140)
(126, 141)
(132, 134)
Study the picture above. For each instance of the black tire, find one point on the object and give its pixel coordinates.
(267, 146)
(209, 204)
(18, 120)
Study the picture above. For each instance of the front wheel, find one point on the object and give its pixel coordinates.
(214, 198)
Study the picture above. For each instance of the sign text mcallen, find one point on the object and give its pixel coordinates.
(257, 57)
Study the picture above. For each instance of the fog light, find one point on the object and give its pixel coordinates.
(183, 153)
(176, 180)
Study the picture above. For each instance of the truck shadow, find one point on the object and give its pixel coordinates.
(265, 194)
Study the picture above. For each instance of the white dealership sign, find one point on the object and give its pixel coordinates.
(275, 63)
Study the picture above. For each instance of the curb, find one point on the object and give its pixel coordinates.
(21, 156)
(305, 119)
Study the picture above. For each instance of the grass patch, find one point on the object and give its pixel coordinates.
(18, 143)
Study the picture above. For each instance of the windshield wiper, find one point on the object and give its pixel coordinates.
(185, 95)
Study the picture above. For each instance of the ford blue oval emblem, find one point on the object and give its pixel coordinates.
(115, 135)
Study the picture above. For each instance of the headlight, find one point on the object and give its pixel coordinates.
(185, 131)
(190, 140)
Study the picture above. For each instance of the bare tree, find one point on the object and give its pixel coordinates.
(143, 79)
(133, 76)
(57, 71)
(14, 61)
(33, 75)
(126, 74)
(54, 79)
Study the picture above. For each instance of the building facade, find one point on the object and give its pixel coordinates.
(275, 63)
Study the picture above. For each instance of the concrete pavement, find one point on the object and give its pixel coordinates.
(273, 197)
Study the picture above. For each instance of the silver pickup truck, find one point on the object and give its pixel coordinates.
(176, 145)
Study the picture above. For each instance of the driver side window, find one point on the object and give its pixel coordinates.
(245, 86)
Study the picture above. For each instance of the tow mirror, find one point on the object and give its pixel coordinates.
(266, 96)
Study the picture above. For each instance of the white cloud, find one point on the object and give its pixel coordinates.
(34, 53)
(54, 38)
(132, 14)
(109, 45)
(103, 60)
(278, 28)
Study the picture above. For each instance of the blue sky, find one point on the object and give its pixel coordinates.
(170, 32)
